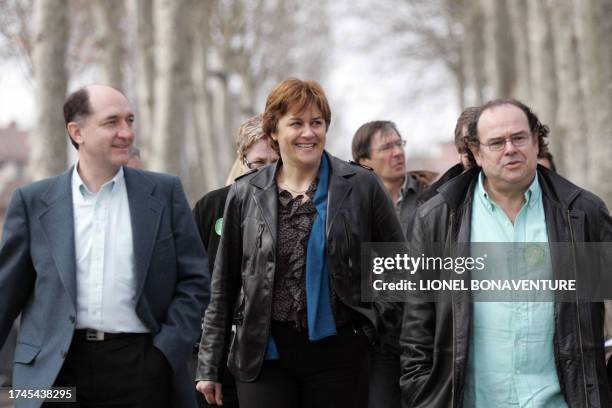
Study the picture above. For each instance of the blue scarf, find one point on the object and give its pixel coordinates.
(321, 322)
(320, 317)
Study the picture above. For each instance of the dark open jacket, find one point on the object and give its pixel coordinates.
(359, 210)
(206, 212)
(435, 336)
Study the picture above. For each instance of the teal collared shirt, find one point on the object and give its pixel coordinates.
(511, 359)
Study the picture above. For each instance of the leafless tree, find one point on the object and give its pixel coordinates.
(499, 47)
(145, 74)
(570, 119)
(109, 18)
(519, 19)
(424, 33)
(173, 52)
(16, 31)
(473, 46)
(543, 69)
(594, 37)
(49, 140)
(208, 161)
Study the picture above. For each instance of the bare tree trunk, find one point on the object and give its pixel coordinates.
(603, 142)
(145, 79)
(520, 34)
(109, 17)
(499, 48)
(571, 124)
(173, 45)
(206, 162)
(474, 50)
(223, 135)
(247, 95)
(543, 74)
(595, 58)
(460, 82)
(49, 140)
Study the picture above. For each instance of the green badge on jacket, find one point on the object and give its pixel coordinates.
(219, 226)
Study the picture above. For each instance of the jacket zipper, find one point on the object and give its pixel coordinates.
(569, 223)
(269, 328)
(449, 241)
(259, 234)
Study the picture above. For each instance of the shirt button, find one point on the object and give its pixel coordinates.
(518, 371)
(72, 319)
(64, 354)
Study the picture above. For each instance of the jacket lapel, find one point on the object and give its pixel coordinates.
(58, 224)
(145, 213)
(266, 197)
(339, 188)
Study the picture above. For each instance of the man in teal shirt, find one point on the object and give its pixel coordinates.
(458, 353)
(511, 360)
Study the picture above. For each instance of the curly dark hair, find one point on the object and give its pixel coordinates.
(535, 126)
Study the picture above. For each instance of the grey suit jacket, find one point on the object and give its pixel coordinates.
(38, 275)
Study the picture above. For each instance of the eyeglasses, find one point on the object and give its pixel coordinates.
(255, 164)
(389, 146)
(495, 145)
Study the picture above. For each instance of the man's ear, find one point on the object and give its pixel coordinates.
(74, 131)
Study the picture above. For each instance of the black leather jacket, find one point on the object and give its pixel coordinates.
(359, 210)
(435, 336)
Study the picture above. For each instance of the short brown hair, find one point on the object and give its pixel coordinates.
(76, 109)
(249, 133)
(293, 95)
(363, 137)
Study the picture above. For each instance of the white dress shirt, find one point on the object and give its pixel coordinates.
(105, 277)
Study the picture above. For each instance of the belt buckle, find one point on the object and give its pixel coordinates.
(94, 335)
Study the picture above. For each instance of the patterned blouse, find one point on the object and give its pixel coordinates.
(295, 220)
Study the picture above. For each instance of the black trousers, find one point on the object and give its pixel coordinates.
(323, 374)
(384, 374)
(127, 371)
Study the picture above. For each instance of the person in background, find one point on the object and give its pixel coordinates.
(467, 117)
(378, 145)
(461, 131)
(424, 177)
(546, 159)
(291, 244)
(135, 160)
(254, 151)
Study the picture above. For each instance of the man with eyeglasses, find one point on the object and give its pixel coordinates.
(379, 146)
(460, 353)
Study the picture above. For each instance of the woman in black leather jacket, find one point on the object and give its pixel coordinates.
(287, 272)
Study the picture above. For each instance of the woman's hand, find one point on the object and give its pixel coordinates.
(212, 391)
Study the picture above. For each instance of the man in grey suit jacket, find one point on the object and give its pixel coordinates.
(105, 265)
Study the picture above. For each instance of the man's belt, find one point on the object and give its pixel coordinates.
(97, 335)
